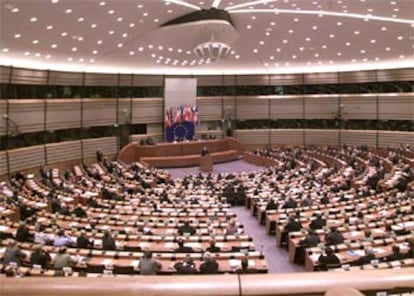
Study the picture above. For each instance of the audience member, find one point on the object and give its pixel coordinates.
(147, 265)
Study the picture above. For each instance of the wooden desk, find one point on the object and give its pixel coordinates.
(206, 164)
(182, 153)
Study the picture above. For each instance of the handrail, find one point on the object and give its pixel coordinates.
(219, 285)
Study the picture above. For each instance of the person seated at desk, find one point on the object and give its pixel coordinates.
(311, 240)
(187, 266)
(82, 241)
(149, 266)
(22, 233)
(271, 205)
(396, 254)
(329, 259)
(62, 259)
(245, 267)
(183, 249)
(213, 248)
(204, 151)
(232, 228)
(318, 222)
(290, 204)
(367, 258)
(210, 265)
(108, 241)
(62, 239)
(334, 237)
(293, 225)
(186, 229)
(40, 257)
(13, 254)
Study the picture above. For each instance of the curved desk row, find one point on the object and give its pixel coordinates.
(221, 285)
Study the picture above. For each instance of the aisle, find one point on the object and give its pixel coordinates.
(276, 258)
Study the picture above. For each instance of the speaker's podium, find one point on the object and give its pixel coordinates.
(206, 163)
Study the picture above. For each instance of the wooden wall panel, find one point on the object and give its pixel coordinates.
(107, 145)
(29, 115)
(99, 112)
(64, 151)
(357, 77)
(396, 75)
(209, 108)
(28, 157)
(396, 107)
(321, 106)
(3, 163)
(65, 78)
(321, 78)
(29, 76)
(63, 114)
(394, 139)
(124, 110)
(95, 79)
(252, 107)
(359, 106)
(147, 110)
(253, 136)
(286, 107)
(358, 137)
(321, 137)
(286, 137)
(3, 122)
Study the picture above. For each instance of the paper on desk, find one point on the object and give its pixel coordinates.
(169, 245)
(135, 263)
(193, 245)
(234, 263)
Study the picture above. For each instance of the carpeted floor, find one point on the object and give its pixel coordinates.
(276, 258)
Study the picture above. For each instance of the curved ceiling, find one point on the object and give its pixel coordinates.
(269, 36)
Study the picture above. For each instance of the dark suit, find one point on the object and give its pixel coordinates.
(83, 242)
(326, 260)
(209, 267)
(312, 240)
(293, 226)
(213, 249)
(184, 249)
(318, 223)
(186, 229)
(334, 238)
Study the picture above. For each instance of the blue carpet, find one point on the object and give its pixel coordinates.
(276, 258)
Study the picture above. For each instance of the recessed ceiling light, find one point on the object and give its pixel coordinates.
(339, 23)
(267, 33)
(160, 47)
(111, 32)
(301, 48)
(402, 56)
(53, 45)
(120, 19)
(140, 48)
(373, 41)
(17, 36)
(314, 27)
(356, 32)
(37, 54)
(33, 19)
(150, 46)
(253, 17)
(80, 38)
(68, 11)
(91, 61)
(248, 27)
(81, 60)
(316, 55)
(363, 51)
(294, 57)
(255, 50)
(74, 48)
(26, 53)
(131, 52)
(50, 27)
(348, 43)
(95, 52)
(48, 56)
(139, 6)
(102, 3)
(307, 39)
(179, 50)
(153, 55)
(377, 58)
(156, 20)
(296, 20)
(145, 14)
(272, 23)
(324, 46)
(5, 50)
(70, 59)
(331, 36)
(99, 42)
(384, 29)
(285, 41)
(64, 34)
(15, 9)
(388, 48)
(278, 49)
(111, 11)
(35, 41)
(261, 42)
(120, 45)
(169, 11)
(125, 35)
(339, 54)
(291, 31)
(81, 19)
(400, 37)
(93, 26)
(272, 58)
